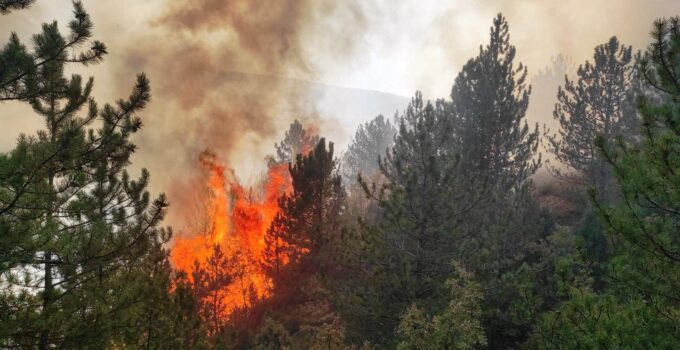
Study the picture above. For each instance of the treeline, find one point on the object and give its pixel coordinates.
(427, 233)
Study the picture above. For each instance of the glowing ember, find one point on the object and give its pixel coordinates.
(238, 221)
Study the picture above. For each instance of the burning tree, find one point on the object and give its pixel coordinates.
(225, 257)
(300, 246)
(232, 238)
(209, 281)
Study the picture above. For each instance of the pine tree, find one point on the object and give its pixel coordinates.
(308, 218)
(638, 307)
(646, 223)
(209, 282)
(169, 316)
(371, 141)
(80, 234)
(297, 140)
(272, 336)
(489, 100)
(420, 200)
(598, 103)
(405, 258)
(7, 6)
(301, 244)
(20, 69)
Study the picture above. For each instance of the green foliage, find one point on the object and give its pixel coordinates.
(499, 152)
(639, 306)
(646, 223)
(209, 281)
(457, 327)
(307, 226)
(82, 263)
(489, 101)
(420, 200)
(7, 6)
(22, 72)
(602, 321)
(272, 336)
(406, 259)
(300, 252)
(81, 254)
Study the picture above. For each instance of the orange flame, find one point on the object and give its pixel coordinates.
(238, 222)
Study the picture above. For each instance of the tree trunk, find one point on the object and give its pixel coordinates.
(47, 293)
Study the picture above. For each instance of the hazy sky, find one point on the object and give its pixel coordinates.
(406, 45)
(191, 48)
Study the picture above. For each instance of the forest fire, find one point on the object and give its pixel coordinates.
(456, 224)
(237, 222)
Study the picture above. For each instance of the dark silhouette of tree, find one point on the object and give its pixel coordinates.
(489, 100)
(598, 103)
(7, 6)
(301, 248)
(499, 151)
(308, 219)
(371, 141)
(297, 140)
(210, 281)
(406, 258)
(20, 70)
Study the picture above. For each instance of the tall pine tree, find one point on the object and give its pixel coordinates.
(301, 248)
(80, 238)
(406, 256)
(489, 101)
(598, 103)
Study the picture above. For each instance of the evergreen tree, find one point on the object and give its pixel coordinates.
(419, 199)
(308, 217)
(489, 100)
(406, 258)
(20, 69)
(301, 244)
(371, 141)
(498, 150)
(80, 238)
(169, 316)
(184, 328)
(7, 6)
(638, 308)
(272, 336)
(645, 225)
(209, 282)
(297, 140)
(598, 103)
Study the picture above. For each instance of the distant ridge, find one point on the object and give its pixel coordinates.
(350, 106)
